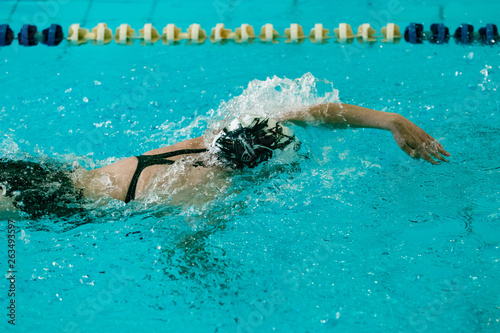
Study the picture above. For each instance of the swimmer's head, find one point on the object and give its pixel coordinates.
(252, 140)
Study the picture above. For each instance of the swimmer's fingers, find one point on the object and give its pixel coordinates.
(418, 153)
(421, 152)
(441, 150)
(437, 155)
(432, 143)
(433, 149)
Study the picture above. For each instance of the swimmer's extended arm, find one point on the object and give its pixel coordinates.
(409, 137)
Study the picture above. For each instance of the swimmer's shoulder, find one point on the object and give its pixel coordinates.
(196, 143)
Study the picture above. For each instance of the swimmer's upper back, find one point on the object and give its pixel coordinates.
(113, 180)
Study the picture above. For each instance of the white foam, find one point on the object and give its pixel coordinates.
(8, 147)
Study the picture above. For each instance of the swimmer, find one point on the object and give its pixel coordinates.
(187, 165)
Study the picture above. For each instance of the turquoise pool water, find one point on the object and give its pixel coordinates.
(355, 238)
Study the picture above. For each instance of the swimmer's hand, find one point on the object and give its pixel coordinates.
(415, 142)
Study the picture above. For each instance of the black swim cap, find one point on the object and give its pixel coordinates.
(252, 140)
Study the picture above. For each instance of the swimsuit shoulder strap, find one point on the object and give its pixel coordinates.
(143, 161)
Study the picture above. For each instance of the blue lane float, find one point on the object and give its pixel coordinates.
(53, 35)
(414, 33)
(464, 33)
(439, 33)
(6, 35)
(27, 35)
(489, 34)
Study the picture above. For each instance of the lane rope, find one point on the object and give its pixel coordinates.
(414, 33)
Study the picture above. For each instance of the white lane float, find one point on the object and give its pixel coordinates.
(196, 34)
(172, 34)
(124, 34)
(100, 34)
(344, 33)
(268, 34)
(244, 34)
(391, 33)
(220, 33)
(319, 34)
(149, 34)
(77, 35)
(294, 34)
(366, 34)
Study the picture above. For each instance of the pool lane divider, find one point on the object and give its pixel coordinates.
(414, 33)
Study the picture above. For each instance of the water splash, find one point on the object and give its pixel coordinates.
(274, 98)
(8, 148)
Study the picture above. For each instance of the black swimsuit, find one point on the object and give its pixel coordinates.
(160, 159)
(41, 189)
